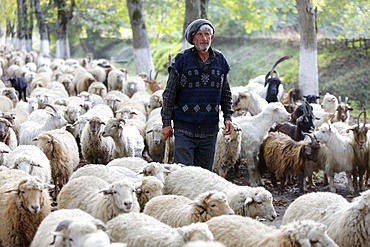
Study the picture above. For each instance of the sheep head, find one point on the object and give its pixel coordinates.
(31, 195)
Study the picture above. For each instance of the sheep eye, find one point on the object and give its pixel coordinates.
(22, 191)
(213, 205)
(133, 191)
(259, 202)
(147, 192)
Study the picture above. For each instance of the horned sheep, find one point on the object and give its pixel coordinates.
(24, 204)
(234, 230)
(99, 198)
(64, 227)
(254, 128)
(347, 222)
(177, 211)
(190, 181)
(283, 156)
(139, 229)
(61, 149)
(227, 150)
(31, 160)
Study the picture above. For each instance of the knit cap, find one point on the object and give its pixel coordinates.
(194, 27)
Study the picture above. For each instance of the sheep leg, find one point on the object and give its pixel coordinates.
(331, 182)
(350, 182)
(301, 182)
(282, 184)
(273, 179)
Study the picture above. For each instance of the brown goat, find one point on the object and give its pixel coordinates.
(343, 109)
(283, 156)
(154, 84)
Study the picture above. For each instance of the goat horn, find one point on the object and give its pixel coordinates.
(150, 74)
(51, 106)
(156, 74)
(276, 63)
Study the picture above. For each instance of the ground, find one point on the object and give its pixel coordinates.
(282, 201)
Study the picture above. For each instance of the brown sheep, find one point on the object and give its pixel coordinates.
(24, 203)
(82, 81)
(283, 156)
(60, 147)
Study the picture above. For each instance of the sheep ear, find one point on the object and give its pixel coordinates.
(307, 150)
(106, 191)
(12, 190)
(248, 201)
(196, 202)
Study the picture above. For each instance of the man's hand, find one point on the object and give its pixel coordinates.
(229, 127)
(167, 132)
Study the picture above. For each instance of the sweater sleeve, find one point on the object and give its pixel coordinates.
(169, 97)
(226, 100)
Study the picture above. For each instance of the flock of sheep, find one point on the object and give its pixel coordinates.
(84, 163)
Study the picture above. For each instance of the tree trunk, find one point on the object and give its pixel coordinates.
(308, 68)
(65, 14)
(20, 42)
(29, 29)
(192, 12)
(142, 56)
(43, 29)
(204, 9)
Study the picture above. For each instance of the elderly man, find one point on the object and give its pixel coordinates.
(197, 86)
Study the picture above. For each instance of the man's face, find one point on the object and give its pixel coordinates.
(202, 40)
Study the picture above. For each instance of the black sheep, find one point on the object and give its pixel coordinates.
(20, 84)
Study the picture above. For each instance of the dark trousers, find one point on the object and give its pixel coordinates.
(193, 151)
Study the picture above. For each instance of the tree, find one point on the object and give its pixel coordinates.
(43, 28)
(308, 69)
(194, 9)
(65, 14)
(142, 56)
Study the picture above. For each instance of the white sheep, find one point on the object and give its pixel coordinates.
(190, 181)
(234, 230)
(139, 229)
(24, 203)
(142, 167)
(177, 211)
(155, 100)
(254, 128)
(31, 160)
(5, 103)
(96, 148)
(146, 187)
(115, 100)
(339, 154)
(127, 139)
(326, 110)
(155, 143)
(7, 134)
(347, 222)
(98, 88)
(4, 153)
(60, 147)
(30, 129)
(116, 79)
(133, 84)
(71, 227)
(16, 116)
(102, 200)
(227, 150)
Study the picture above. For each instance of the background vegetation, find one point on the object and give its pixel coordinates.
(252, 34)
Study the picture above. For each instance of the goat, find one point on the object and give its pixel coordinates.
(342, 113)
(20, 84)
(283, 156)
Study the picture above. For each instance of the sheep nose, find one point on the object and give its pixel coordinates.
(157, 141)
(128, 204)
(35, 208)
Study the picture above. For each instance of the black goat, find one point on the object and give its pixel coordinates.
(311, 98)
(274, 82)
(19, 84)
(296, 132)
